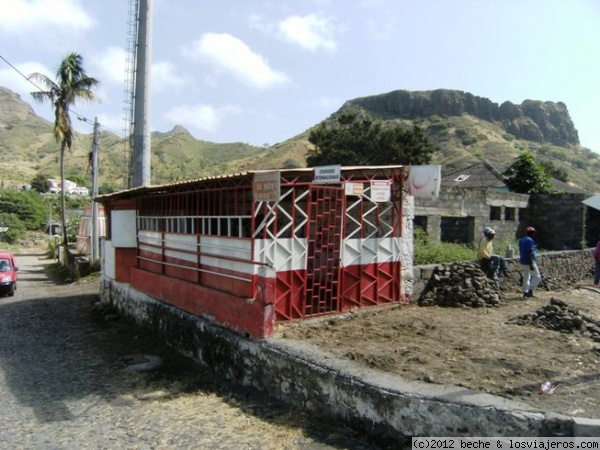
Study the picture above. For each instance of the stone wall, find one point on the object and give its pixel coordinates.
(471, 207)
(559, 271)
(379, 403)
(560, 220)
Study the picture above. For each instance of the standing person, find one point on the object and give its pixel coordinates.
(597, 259)
(490, 264)
(527, 258)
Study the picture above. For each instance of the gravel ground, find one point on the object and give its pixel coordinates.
(66, 382)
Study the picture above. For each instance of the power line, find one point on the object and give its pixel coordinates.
(79, 116)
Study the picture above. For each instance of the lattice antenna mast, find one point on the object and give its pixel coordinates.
(140, 158)
(129, 90)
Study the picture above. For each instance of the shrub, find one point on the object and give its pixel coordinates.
(13, 225)
(427, 251)
(29, 207)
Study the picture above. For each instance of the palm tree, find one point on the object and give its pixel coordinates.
(72, 84)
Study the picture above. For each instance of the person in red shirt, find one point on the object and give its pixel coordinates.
(597, 259)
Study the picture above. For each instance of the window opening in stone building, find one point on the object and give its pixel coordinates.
(420, 222)
(510, 214)
(456, 230)
(495, 213)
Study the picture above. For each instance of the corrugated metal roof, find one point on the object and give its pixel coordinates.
(167, 186)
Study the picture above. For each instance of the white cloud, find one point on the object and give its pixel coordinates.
(200, 117)
(109, 66)
(311, 32)
(226, 53)
(165, 76)
(22, 17)
(18, 83)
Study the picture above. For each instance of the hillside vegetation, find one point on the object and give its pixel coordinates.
(461, 127)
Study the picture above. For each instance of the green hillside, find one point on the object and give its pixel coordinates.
(461, 127)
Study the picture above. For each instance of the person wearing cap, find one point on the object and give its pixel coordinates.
(527, 259)
(596, 255)
(489, 262)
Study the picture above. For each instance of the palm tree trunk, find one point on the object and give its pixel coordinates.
(63, 195)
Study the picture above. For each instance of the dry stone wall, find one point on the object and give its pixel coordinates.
(461, 284)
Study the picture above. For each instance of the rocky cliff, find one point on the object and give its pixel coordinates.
(533, 120)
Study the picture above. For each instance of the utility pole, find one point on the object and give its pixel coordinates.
(140, 163)
(94, 240)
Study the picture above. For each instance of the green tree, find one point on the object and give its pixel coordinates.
(40, 183)
(353, 141)
(29, 207)
(11, 227)
(72, 84)
(526, 177)
(77, 178)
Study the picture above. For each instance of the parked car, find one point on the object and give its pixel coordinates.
(8, 273)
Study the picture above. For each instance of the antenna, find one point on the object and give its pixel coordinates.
(129, 90)
(140, 158)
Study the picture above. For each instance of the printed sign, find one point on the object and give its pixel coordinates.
(266, 186)
(327, 174)
(381, 191)
(354, 188)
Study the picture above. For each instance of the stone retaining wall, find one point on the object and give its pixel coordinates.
(559, 271)
(381, 404)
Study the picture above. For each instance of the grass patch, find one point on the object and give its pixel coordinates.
(427, 251)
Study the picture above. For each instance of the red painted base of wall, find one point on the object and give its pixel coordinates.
(361, 287)
(246, 316)
(125, 258)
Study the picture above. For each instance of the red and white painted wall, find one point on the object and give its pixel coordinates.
(315, 249)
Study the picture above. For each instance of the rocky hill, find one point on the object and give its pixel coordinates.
(461, 127)
(532, 120)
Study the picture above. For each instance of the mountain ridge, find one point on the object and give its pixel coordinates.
(461, 127)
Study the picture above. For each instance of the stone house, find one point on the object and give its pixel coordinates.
(477, 196)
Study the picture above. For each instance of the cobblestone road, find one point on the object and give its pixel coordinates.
(66, 383)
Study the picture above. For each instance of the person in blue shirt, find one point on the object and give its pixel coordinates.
(527, 259)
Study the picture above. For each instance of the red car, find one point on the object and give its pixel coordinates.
(8, 273)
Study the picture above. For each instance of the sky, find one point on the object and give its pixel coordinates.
(263, 71)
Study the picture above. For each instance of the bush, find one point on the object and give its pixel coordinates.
(427, 251)
(27, 206)
(14, 227)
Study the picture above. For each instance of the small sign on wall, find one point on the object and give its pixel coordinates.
(327, 174)
(266, 186)
(381, 191)
(356, 189)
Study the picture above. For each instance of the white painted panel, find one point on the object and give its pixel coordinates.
(183, 256)
(281, 254)
(371, 250)
(150, 237)
(181, 241)
(231, 247)
(150, 249)
(123, 228)
(240, 267)
(108, 260)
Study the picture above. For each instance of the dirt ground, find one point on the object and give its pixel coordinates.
(477, 348)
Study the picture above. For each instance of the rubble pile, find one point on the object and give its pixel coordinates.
(460, 284)
(558, 316)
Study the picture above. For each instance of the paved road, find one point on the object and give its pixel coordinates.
(66, 383)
